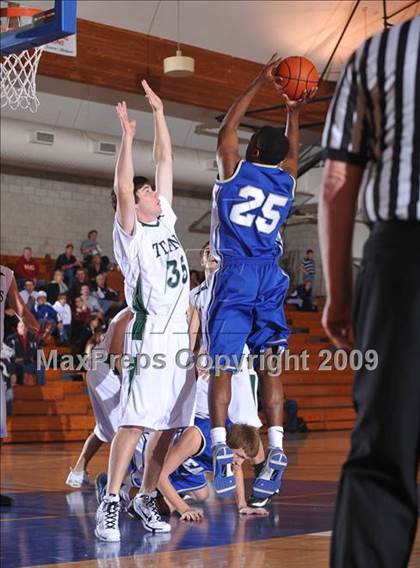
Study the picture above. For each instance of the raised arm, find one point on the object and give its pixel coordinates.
(124, 172)
(227, 155)
(290, 163)
(162, 148)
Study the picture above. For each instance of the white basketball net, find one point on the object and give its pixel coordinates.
(18, 79)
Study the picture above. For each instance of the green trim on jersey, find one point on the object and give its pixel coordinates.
(139, 324)
(151, 224)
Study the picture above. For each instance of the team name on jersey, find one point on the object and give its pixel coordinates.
(166, 246)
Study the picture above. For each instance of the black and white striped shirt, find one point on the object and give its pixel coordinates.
(374, 121)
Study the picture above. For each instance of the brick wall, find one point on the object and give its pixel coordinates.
(45, 214)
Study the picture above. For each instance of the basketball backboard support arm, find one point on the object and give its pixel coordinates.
(62, 23)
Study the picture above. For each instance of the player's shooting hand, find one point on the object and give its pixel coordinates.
(295, 105)
(154, 101)
(192, 515)
(267, 75)
(253, 512)
(128, 126)
(336, 320)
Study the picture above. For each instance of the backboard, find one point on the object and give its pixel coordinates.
(44, 21)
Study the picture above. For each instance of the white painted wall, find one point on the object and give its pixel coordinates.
(46, 214)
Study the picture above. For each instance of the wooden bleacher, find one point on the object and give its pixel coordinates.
(60, 410)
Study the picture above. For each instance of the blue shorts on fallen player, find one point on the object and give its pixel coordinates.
(247, 308)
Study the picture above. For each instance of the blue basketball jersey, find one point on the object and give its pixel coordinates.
(248, 211)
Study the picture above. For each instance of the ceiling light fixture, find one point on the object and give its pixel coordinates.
(178, 65)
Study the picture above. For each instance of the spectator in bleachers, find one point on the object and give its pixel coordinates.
(107, 297)
(43, 311)
(26, 267)
(79, 281)
(95, 340)
(87, 332)
(80, 315)
(94, 268)
(68, 263)
(56, 287)
(64, 313)
(302, 298)
(90, 301)
(90, 247)
(307, 267)
(29, 294)
(24, 344)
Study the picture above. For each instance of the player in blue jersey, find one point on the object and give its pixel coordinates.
(251, 201)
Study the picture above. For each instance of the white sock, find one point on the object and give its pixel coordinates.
(111, 497)
(275, 437)
(152, 494)
(218, 435)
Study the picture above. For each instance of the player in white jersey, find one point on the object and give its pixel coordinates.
(243, 408)
(156, 397)
(9, 292)
(104, 385)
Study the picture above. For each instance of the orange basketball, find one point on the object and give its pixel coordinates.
(297, 74)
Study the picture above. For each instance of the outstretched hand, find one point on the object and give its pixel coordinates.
(295, 105)
(192, 515)
(267, 75)
(154, 101)
(128, 126)
(253, 512)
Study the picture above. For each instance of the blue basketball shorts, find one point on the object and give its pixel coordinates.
(247, 306)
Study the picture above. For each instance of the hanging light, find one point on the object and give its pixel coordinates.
(178, 65)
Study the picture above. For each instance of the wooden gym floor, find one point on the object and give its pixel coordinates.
(51, 524)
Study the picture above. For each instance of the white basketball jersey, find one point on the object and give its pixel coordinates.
(6, 277)
(154, 265)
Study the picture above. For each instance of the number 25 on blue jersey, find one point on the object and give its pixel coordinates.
(241, 213)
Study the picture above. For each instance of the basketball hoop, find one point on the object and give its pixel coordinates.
(18, 70)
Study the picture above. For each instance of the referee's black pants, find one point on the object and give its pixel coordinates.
(377, 509)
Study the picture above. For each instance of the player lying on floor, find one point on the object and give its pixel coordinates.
(190, 458)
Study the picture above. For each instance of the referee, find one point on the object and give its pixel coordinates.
(372, 141)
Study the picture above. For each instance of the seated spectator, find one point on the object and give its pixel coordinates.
(29, 294)
(94, 268)
(64, 317)
(25, 346)
(90, 301)
(26, 267)
(107, 297)
(91, 246)
(302, 297)
(68, 263)
(56, 287)
(78, 283)
(80, 315)
(86, 333)
(43, 311)
(95, 340)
